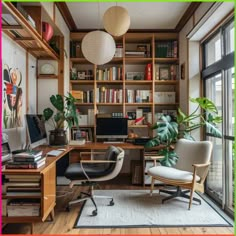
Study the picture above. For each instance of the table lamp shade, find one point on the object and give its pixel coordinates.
(116, 20)
(98, 47)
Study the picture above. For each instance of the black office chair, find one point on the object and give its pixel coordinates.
(89, 172)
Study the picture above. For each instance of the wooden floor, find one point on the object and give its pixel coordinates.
(64, 221)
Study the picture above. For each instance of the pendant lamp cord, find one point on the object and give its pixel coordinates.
(98, 15)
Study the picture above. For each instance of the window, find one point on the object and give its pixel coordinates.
(213, 50)
(219, 83)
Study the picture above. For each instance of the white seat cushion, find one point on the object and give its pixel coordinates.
(172, 174)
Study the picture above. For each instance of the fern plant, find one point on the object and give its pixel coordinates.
(168, 130)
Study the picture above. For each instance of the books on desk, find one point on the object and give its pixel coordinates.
(30, 159)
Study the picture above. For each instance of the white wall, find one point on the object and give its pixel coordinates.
(15, 57)
(183, 58)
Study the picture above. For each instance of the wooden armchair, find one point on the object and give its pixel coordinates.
(190, 171)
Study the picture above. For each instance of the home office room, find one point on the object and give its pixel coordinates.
(117, 117)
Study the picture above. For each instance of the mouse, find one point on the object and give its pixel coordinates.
(61, 149)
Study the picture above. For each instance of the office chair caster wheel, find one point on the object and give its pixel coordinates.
(112, 203)
(94, 213)
(68, 209)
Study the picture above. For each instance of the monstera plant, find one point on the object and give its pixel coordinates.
(168, 130)
(65, 111)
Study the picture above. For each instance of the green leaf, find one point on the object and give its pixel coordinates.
(152, 143)
(205, 104)
(213, 130)
(47, 113)
(170, 157)
(57, 102)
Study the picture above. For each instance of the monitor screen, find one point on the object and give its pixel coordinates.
(111, 127)
(36, 130)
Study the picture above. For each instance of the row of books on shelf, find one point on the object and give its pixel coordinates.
(83, 96)
(30, 159)
(20, 207)
(111, 74)
(138, 96)
(166, 49)
(109, 95)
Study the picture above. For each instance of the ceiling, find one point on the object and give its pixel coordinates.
(143, 15)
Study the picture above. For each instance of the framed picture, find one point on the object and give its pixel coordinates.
(164, 73)
(81, 75)
(88, 133)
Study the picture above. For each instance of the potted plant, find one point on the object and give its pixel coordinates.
(168, 130)
(65, 112)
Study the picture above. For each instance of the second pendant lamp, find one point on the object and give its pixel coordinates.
(116, 20)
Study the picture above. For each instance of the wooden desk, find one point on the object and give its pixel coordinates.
(47, 174)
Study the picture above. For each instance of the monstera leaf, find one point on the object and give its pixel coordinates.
(170, 157)
(205, 104)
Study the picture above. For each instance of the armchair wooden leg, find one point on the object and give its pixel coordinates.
(191, 198)
(152, 186)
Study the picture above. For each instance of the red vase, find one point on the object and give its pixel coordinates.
(47, 31)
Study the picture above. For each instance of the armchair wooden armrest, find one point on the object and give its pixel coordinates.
(201, 165)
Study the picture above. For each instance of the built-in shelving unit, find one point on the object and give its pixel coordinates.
(136, 53)
(17, 27)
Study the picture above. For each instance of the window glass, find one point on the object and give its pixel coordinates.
(229, 38)
(213, 50)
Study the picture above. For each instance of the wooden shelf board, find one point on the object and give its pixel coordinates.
(137, 60)
(166, 60)
(139, 104)
(138, 82)
(109, 81)
(109, 104)
(49, 76)
(79, 60)
(25, 30)
(82, 82)
(166, 104)
(83, 104)
(166, 82)
(138, 126)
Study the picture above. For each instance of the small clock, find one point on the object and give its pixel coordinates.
(47, 69)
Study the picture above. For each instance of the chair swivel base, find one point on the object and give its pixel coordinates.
(178, 193)
(91, 197)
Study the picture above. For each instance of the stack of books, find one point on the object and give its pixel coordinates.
(30, 159)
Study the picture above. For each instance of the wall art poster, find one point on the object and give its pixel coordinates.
(12, 98)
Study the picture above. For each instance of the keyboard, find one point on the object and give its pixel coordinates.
(54, 153)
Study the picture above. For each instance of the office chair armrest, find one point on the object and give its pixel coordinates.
(97, 161)
(91, 153)
(92, 162)
(201, 165)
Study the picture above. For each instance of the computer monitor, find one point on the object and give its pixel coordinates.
(112, 128)
(36, 130)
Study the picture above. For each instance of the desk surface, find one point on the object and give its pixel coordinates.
(51, 160)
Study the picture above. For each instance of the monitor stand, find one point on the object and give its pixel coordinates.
(114, 140)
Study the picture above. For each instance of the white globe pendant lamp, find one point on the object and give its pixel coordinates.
(116, 20)
(98, 47)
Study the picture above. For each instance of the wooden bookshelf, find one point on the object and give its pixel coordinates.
(132, 63)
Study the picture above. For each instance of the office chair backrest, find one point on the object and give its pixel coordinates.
(114, 154)
(192, 152)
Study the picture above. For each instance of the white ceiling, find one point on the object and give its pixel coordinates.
(143, 15)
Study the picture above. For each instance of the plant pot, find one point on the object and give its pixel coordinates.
(57, 137)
